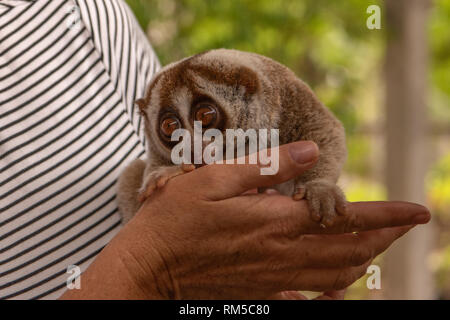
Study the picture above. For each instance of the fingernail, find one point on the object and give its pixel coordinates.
(304, 152)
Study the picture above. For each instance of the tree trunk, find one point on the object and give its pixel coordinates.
(406, 270)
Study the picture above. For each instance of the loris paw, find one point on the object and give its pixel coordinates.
(325, 200)
(159, 177)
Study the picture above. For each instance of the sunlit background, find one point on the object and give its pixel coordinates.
(327, 44)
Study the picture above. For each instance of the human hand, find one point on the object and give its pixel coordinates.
(199, 237)
(203, 236)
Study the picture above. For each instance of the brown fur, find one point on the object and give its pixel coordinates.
(128, 185)
(256, 92)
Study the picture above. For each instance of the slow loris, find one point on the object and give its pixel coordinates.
(230, 89)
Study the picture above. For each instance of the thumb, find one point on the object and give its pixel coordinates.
(222, 181)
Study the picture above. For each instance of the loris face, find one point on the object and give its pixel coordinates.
(216, 88)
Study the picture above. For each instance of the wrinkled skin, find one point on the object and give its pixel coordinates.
(218, 242)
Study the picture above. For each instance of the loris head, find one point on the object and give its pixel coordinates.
(223, 89)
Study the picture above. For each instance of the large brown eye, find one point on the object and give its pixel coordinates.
(206, 113)
(168, 125)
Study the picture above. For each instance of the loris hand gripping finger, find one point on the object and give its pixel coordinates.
(229, 89)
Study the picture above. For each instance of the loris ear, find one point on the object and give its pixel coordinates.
(141, 104)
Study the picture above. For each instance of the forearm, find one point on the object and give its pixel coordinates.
(115, 274)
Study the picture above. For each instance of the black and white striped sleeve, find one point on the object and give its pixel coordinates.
(125, 51)
(70, 71)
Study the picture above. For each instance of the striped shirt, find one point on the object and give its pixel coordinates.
(70, 71)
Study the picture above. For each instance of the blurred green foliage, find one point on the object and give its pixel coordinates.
(440, 63)
(327, 44)
(313, 42)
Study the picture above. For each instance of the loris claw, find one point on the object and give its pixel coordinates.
(325, 200)
(159, 177)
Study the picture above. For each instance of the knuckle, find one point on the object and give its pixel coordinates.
(359, 256)
(211, 176)
(213, 172)
(347, 277)
(343, 280)
(353, 222)
(288, 224)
